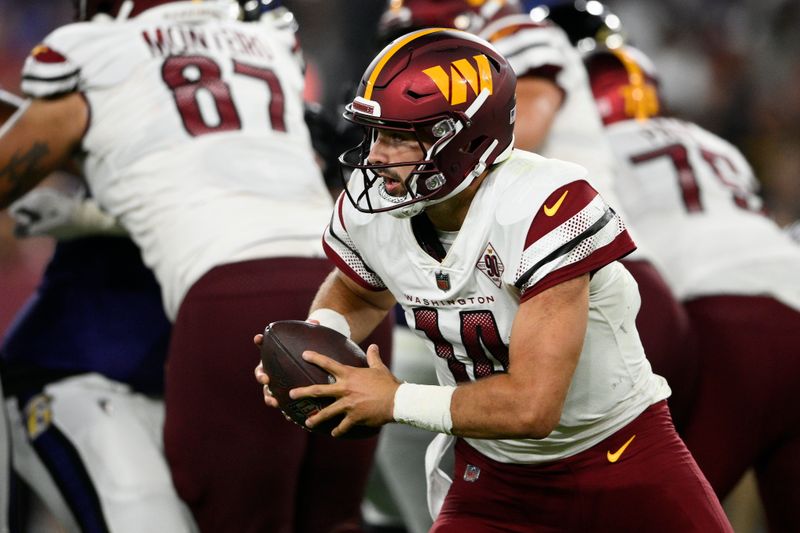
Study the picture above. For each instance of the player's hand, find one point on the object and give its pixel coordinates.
(262, 377)
(44, 211)
(63, 215)
(365, 396)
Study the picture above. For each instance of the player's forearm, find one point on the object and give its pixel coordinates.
(498, 407)
(18, 164)
(362, 311)
(21, 168)
(37, 140)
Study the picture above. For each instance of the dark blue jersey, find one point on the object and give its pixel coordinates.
(97, 309)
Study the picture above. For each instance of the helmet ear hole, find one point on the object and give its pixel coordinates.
(476, 143)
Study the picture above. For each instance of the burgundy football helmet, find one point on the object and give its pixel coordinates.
(455, 93)
(403, 16)
(624, 83)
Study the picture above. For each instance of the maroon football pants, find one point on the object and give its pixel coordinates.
(239, 465)
(654, 485)
(663, 326)
(746, 413)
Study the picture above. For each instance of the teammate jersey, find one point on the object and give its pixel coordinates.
(536, 49)
(534, 223)
(196, 143)
(692, 197)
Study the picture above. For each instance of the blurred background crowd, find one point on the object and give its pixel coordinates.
(732, 66)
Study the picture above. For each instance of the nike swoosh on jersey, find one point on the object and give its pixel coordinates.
(614, 457)
(550, 211)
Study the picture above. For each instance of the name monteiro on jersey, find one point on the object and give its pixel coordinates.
(182, 40)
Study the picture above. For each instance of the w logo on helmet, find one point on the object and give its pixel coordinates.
(462, 73)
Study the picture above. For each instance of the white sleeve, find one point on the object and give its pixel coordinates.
(342, 251)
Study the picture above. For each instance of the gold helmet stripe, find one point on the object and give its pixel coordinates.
(641, 100)
(391, 52)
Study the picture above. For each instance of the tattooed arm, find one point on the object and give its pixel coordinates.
(39, 141)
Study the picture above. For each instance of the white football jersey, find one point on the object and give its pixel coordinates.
(576, 135)
(534, 223)
(692, 197)
(196, 140)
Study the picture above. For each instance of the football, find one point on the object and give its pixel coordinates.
(281, 353)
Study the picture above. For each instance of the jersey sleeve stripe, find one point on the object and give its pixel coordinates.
(42, 89)
(73, 72)
(341, 249)
(585, 239)
(49, 73)
(528, 60)
(565, 249)
(621, 246)
(343, 258)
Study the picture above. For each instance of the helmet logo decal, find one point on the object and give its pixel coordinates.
(39, 414)
(462, 74)
(641, 100)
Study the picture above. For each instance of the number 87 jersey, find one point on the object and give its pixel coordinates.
(200, 118)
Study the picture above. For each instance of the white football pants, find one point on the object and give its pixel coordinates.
(102, 443)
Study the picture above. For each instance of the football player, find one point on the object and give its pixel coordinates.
(83, 373)
(693, 198)
(189, 127)
(81, 411)
(505, 262)
(556, 118)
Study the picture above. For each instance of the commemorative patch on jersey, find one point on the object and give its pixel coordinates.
(491, 265)
(38, 415)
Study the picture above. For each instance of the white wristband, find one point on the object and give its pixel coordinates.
(424, 406)
(331, 319)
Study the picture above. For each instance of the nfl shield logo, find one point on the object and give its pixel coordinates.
(472, 473)
(443, 281)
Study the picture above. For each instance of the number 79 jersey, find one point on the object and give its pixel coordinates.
(196, 140)
(693, 199)
(533, 224)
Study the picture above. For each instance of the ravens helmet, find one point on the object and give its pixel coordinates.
(588, 23)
